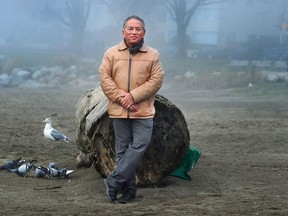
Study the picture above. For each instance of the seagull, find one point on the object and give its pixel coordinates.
(53, 134)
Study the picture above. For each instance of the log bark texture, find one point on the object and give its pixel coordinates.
(95, 138)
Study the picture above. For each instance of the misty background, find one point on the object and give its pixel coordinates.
(191, 35)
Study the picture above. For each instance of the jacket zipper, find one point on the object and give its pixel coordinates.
(129, 74)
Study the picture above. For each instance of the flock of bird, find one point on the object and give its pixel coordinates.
(23, 167)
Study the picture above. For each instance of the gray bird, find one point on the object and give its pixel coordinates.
(41, 172)
(64, 173)
(53, 134)
(53, 165)
(10, 165)
(24, 169)
(52, 171)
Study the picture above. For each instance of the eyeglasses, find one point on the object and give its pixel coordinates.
(131, 29)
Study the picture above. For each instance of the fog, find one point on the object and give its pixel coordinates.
(225, 70)
(36, 32)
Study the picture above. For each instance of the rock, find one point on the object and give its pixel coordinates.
(38, 74)
(95, 137)
(5, 80)
(272, 78)
(19, 76)
(189, 74)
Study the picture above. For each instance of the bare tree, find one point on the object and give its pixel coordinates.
(123, 8)
(118, 11)
(181, 11)
(75, 17)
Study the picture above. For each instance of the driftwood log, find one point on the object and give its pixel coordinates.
(95, 138)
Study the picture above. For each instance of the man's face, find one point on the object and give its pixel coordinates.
(133, 32)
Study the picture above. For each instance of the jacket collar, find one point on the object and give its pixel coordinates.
(122, 46)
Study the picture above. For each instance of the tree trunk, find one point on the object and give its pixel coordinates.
(182, 40)
(95, 138)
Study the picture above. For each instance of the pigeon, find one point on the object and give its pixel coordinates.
(53, 134)
(56, 172)
(23, 169)
(64, 173)
(40, 172)
(53, 165)
(12, 164)
(52, 171)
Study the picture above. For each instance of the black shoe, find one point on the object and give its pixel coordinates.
(110, 192)
(127, 197)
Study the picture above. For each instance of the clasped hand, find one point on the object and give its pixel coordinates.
(127, 101)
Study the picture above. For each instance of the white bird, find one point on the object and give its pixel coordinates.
(53, 134)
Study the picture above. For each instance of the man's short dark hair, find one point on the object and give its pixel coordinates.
(137, 18)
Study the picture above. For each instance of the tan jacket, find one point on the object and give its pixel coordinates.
(146, 76)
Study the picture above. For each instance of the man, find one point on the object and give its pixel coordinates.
(130, 76)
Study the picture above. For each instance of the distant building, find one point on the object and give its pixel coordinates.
(235, 22)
